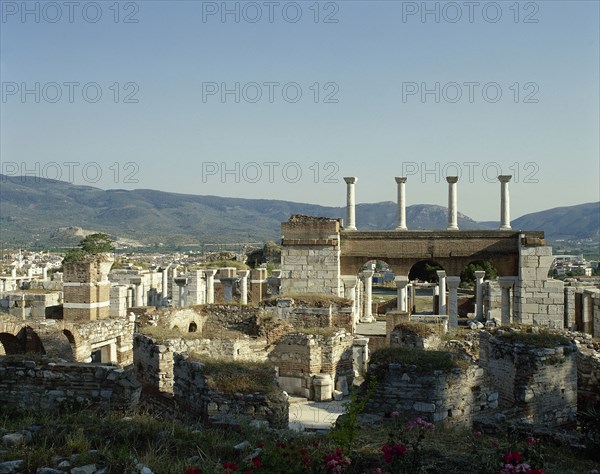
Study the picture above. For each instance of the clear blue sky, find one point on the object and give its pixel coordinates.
(169, 127)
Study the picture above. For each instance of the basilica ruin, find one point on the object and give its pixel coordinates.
(311, 326)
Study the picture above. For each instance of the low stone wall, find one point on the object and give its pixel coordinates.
(452, 398)
(191, 388)
(44, 386)
(537, 385)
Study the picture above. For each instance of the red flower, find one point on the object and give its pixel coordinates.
(256, 462)
(513, 457)
(391, 452)
(537, 470)
(193, 470)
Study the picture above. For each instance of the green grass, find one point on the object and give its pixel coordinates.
(425, 361)
(420, 329)
(542, 339)
(167, 446)
(231, 377)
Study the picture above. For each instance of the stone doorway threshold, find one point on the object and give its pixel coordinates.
(307, 415)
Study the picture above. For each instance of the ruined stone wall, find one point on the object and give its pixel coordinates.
(30, 305)
(453, 398)
(538, 300)
(86, 289)
(153, 361)
(304, 317)
(191, 388)
(588, 378)
(299, 358)
(536, 386)
(43, 386)
(310, 256)
(403, 336)
(231, 317)
(492, 299)
(570, 311)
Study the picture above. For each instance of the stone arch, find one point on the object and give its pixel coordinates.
(425, 271)
(30, 341)
(193, 327)
(9, 344)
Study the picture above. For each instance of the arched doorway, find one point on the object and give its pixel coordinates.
(424, 282)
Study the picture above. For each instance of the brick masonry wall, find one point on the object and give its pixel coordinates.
(44, 386)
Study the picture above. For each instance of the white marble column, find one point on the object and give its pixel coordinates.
(243, 274)
(401, 180)
(181, 283)
(351, 203)
(504, 202)
(479, 276)
(452, 203)
(442, 284)
(45, 272)
(368, 302)
(452, 282)
(506, 284)
(210, 285)
(350, 283)
(165, 286)
(401, 283)
(139, 294)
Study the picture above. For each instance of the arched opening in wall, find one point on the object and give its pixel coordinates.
(69, 335)
(30, 341)
(9, 344)
(193, 327)
(468, 287)
(424, 280)
(383, 287)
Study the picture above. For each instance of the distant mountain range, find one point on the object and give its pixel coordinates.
(50, 212)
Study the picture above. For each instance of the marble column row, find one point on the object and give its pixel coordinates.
(452, 202)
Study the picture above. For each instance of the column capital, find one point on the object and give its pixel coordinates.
(506, 281)
(351, 179)
(349, 281)
(452, 179)
(243, 273)
(401, 281)
(367, 274)
(479, 274)
(400, 179)
(210, 272)
(452, 282)
(441, 273)
(504, 178)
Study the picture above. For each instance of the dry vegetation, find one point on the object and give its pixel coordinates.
(230, 377)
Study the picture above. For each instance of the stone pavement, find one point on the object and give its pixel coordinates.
(307, 415)
(371, 329)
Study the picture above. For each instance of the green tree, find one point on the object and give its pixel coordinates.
(467, 277)
(93, 244)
